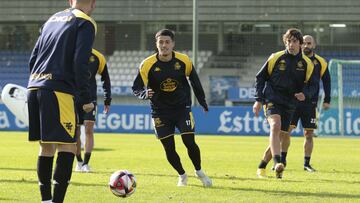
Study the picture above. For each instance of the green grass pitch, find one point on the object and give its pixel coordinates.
(231, 162)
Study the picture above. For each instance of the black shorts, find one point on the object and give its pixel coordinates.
(307, 115)
(52, 117)
(164, 125)
(284, 112)
(83, 116)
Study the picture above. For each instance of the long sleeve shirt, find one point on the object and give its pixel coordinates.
(169, 81)
(282, 76)
(59, 60)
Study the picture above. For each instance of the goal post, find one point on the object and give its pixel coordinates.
(343, 117)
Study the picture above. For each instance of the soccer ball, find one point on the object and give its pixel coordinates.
(122, 183)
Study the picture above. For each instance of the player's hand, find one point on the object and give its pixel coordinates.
(150, 93)
(206, 109)
(256, 108)
(326, 106)
(88, 107)
(106, 109)
(300, 96)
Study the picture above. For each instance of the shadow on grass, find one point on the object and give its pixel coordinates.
(341, 172)
(8, 199)
(17, 169)
(226, 177)
(103, 149)
(23, 181)
(288, 193)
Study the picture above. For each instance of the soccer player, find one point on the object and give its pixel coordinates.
(306, 111)
(97, 64)
(59, 67)
(162, 79)
(280, 84)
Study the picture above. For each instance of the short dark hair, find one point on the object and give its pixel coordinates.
(165, 32)
(295, 33)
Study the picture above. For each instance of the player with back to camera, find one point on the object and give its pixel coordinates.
(162, 79)
(97, 65)
(284, 79)
(59, 68)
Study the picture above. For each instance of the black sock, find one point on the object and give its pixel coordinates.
(44, 171)
(307, 161)
(262, 164)
(277, 159)
(78, 158)
(87, 156)
(283, 157)
(62, 175)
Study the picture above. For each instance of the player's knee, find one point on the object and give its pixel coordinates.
(275, 126)
(189, 140)
(168, 146)
(47, 150)
(309, 134)
(67, 148)
(89, 131)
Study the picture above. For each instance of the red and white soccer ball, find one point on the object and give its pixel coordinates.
(122, 183)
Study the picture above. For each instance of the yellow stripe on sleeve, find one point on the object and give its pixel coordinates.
(80, 14)
(102, 60)
(309, 68)
(323, 64)
(188, 64)
(145, 67)
(272, 60)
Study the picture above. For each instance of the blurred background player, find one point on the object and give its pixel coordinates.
(280, 84)
(162, 78)
(97, 65)
(306, 111)
(59, 67)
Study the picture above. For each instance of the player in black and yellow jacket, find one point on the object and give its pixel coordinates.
(285, 79)
(59, 68)
(306, 111)
(162, 78)
(97, 65)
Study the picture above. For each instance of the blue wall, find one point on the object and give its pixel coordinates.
(219, 121)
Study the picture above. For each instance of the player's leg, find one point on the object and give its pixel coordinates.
(308, 148)
(261, 171)
(164, 130)
(58, 125)
(285, 133)
(89, 122)
(309, 123)
(78, 150)
(173, 158)
(46, 154)
(44, 170)
(186, 125)
(275, 127)
(89, 144)
(285, 144)
(80, 121)
(63, 170)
